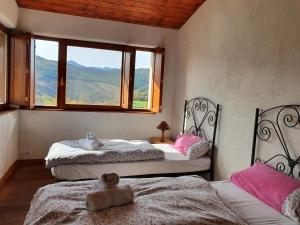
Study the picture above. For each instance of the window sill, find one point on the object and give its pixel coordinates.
(4, 111)
(4, 107)
(137, 111)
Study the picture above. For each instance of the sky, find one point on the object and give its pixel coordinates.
(90, 57)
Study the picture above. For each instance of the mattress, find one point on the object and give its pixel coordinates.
(174, 162)
(253, 210)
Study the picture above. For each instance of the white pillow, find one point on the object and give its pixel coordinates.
(198, 149)
(291, 206)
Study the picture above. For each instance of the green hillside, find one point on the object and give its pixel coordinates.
(87, 85)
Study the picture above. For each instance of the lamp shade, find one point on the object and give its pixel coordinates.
(163, 126)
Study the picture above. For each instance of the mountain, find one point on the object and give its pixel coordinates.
(86, 85)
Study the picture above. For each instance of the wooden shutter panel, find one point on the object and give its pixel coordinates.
(20, 71)
(127, 78)
(31, 80)
(157, 83)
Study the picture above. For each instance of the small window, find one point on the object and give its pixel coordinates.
(3, 68)
(142, 80)
(46, 72)
(93, 76)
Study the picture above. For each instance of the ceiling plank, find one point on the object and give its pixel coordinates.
(162, 13)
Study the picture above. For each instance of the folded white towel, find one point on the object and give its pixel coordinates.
(109, 197)
(89, 144)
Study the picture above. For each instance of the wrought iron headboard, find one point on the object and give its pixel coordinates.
(285, 117)
(202, 112)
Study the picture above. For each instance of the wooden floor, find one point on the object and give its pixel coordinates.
(16, 195)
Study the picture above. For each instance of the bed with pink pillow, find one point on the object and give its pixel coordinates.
(191, 154)
(268, 192)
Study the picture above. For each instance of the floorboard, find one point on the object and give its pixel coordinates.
(16, 195)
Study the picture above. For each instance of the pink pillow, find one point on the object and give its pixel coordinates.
(183, 142)
(265, 183)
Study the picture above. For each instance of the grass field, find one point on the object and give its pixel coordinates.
(137, 104)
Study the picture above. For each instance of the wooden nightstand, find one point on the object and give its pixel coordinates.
(156, 140)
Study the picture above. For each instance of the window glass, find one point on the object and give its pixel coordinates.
(93, 76)
(3, 67)
(46, 72)
(142, 80)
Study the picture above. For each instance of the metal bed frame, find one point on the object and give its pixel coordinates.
(265, 128)
(200, 112)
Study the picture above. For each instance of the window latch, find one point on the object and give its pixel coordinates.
(62, 83)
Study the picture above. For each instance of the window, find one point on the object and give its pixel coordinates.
(46, 72)
(3, 68)
(142, 80)
(80, 75)
(93, 76)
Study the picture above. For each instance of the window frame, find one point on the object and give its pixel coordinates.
(43, 38)
(62, 70)
(5, 30)
(152, 76)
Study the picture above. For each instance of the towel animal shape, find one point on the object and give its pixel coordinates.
(107, 193)
(90, 143)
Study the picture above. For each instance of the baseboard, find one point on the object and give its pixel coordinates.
(15, 165)
(8, 173)
(26, 162)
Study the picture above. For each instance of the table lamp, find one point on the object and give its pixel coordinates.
(163, 126)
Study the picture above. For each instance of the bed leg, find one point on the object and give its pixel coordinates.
(211, 175)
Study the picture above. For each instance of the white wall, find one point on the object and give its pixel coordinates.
(243, 55)
(9, 13)
(39, 129)
(8, 140)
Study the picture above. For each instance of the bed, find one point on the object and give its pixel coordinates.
(173, 164)
(250, 208)
(200, 118)
(188, 200)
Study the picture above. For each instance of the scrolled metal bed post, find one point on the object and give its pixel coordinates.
(254, 136)
(184, 114)
(213, 144)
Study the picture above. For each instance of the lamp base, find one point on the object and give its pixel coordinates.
(162, 136)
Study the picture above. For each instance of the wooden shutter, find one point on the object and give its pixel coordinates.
(127, 78)
(3, 68)
(20, 70)
(22, 73)
(157, 84)
(31, 80)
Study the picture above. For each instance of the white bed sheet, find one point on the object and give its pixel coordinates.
(252, 209)
(174, 162)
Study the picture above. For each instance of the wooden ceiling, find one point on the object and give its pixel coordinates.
(161, 13)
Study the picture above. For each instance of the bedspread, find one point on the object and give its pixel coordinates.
(115, 150)
(187, 200)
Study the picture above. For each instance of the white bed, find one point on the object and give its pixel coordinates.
(174, 162)
(253, 210)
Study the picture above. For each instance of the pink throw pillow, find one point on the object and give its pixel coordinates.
(183, 142)
(265, 183)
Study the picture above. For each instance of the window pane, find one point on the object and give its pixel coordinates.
(93, 76)
(142, 80)
(3, 67)
(46, 72)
